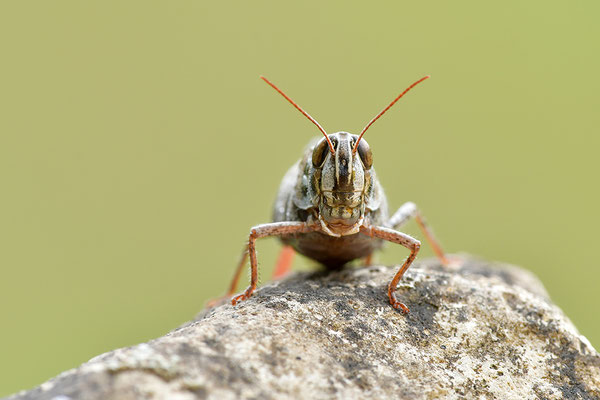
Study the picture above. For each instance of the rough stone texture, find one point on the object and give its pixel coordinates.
(481, 330)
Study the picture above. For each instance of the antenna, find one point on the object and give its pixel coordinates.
(384, 110)
(303, 112)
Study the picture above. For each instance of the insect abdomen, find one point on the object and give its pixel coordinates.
(333, 252)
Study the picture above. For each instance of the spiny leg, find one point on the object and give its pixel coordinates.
(261, 231)
(405, 240)
(368, 260)
(284, 262)
(409, 210)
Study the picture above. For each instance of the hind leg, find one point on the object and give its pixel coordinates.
(368, 260)
(234, 282)
(284, 262)
(406, 212)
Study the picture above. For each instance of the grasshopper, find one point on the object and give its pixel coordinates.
(331, 208)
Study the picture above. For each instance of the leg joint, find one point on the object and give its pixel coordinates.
(253, 234)
(410, 206)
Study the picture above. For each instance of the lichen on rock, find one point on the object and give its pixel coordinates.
(481, 330)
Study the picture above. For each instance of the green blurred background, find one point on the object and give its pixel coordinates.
(138, 146)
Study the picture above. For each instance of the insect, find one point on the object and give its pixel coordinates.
(331, 208)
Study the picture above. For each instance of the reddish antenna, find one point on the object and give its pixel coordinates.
(384, 110)
(302, 111)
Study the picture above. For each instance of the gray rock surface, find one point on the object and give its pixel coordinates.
(480, 330)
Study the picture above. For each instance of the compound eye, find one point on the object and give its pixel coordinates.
(319, 153)
(364, 151)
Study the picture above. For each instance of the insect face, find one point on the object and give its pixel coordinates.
(341, 183)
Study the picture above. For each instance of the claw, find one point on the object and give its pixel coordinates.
(396, 304)
(237, 299)
(241, 297)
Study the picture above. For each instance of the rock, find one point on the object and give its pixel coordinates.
(480, 330)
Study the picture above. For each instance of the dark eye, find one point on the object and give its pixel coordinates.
(319, 153)
(364, 151)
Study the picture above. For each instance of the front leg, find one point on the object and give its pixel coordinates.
(405, 240)
(261, 231)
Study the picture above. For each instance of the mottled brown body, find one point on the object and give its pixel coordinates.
(331, 208)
